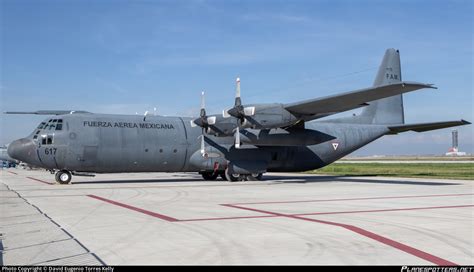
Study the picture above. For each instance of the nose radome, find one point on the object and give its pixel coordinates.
(22, 150)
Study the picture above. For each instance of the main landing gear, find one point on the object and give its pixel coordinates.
(63, 177)
(232, 177)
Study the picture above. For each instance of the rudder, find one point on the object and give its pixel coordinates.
(387, 110)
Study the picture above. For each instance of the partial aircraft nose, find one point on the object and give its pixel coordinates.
(23, 150)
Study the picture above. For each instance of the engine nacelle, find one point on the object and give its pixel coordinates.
(266, 116)
(258, 116)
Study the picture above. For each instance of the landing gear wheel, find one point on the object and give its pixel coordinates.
(223, 176)
(209, 175)
(254, 177)
(63, 177)
(231, 176)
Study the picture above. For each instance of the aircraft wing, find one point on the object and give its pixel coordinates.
(321, 107)
(421, 127)
(46, 112)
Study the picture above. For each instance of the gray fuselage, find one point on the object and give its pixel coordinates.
(103, 143)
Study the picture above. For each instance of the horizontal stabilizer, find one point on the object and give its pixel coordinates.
(421, 127)
(325, 106)
(46, 112)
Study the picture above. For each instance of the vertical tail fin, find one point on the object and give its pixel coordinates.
(387, 110)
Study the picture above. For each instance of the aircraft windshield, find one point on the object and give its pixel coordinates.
(51, 124)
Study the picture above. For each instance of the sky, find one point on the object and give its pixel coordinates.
(128, 57)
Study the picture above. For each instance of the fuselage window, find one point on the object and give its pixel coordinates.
(50, 139)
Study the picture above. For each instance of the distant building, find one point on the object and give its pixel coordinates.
(454, 150)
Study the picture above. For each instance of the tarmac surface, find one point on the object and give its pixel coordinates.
(177, 218)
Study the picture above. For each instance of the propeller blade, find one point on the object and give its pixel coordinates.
(203, 110)
(225, 114)
(193, 124)
(238, 102)
(237, 138)
(203, 147)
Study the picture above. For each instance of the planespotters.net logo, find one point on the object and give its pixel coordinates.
(437, 269)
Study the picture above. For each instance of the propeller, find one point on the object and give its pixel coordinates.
(204, 122)
(238, 111)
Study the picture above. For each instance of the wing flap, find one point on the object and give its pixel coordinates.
(351, 100)
(421, 127)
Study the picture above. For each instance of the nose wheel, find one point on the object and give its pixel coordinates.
(63, 177)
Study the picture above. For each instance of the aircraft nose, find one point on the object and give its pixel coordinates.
(22, 150)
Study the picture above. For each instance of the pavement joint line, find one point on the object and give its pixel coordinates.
(39, 244)
(67, 257)
(13, 216)
(350, 199)
(60, 227)
(387, 210)
(21, 223)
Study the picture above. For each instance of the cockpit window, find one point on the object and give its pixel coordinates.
(41, 125)
(51, 124)
(46, 139)
(59, 125)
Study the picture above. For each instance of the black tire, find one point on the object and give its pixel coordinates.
(223, 176)
(231, 176)
(258, 176)
(209, 175)
(63, 177)
(254, 177)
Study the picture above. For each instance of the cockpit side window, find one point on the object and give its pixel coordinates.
(59, 125)
(41, 126)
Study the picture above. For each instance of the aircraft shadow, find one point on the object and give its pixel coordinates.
(309, 179)
(276, 179)
(132, 181)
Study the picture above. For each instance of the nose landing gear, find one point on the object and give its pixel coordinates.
(63, 177)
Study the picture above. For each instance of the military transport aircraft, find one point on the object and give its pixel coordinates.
(241, 144)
